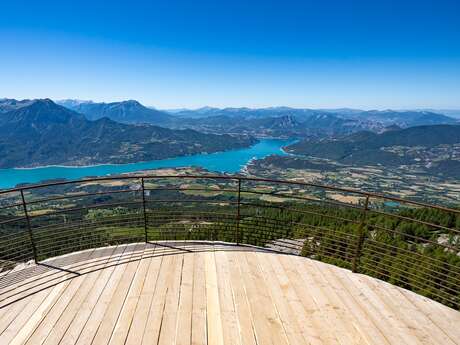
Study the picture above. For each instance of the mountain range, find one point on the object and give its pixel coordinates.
(399, 117)
(261, 122)
(124, 112)
(41, 132)
(284, 126)
(291, 122)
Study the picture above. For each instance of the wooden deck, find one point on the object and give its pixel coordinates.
(191, 293)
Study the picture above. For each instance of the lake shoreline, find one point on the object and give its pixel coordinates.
(119, 164)
(231, 161)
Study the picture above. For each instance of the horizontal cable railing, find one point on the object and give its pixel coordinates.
(407, 243)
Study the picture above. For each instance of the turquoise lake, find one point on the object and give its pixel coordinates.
(229, 161)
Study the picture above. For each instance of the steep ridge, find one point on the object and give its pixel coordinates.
(43, 133)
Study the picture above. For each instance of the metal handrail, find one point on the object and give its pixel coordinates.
(234, 178)
(231, 215)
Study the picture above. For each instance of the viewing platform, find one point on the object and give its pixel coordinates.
(210, 293)
(217, 260)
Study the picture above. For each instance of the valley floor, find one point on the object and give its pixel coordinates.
(399, 182)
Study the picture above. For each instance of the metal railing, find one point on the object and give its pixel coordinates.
(407, 243)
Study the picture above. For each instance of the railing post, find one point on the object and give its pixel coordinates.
(359, 244)
(29, 228)
(143, 207)
(238, 216)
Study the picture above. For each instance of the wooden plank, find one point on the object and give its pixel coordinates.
(85, 310)
(19, 295)
(242, 307)
(104, 332)
(8, 277)
(312, 310)
(287, 315)
(97, 314)
(230, 327)
(393, 330)
(382, 302)
(360, 319)
(169, 321)
(308, 328)
(199, 332)
(39, 274)
(214, 322)
(216, 294)
(22, 288)
(136, 331)
(328, 302)
(421, 327)
(46, 325)
(50, 277)
(10, 312)
(130, 303)
(267, 325)
(35, 319)
(407, 326)
(155, 317)
(452, 314)
(68, 314)
(184, 322)
(24, 317)
(446, 319)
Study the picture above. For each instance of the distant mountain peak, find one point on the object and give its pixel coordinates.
(128, 111)
(44, 102)
(44, 132)
(39, 113)
(131, 102)
(206, 108)
(68, 103)
(9, 104)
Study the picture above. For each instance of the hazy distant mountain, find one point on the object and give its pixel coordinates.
(246, 112)
(124, 112)
(7, 104)
(230, 123)
(260, 121)
(455, 113)
(281, 126)
(72, 103)
(307, 121)
(196, 113)
(43, 133)
(402, 119)
(343, 111)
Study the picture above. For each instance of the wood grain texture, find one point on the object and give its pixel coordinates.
(191, 293)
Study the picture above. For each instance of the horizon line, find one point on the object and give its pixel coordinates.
(364, 108)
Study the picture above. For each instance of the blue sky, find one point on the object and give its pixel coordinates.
(171, 54)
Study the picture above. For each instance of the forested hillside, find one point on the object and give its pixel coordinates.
(425, 144)
(43, 133)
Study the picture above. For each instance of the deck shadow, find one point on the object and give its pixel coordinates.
(45, 275)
